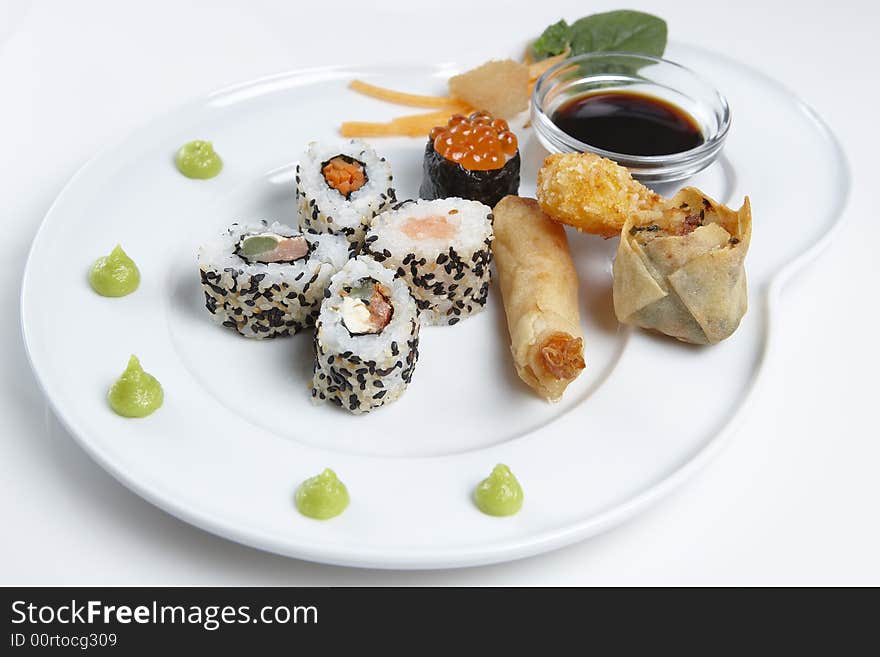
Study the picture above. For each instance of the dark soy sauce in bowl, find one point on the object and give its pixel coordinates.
(628, 123)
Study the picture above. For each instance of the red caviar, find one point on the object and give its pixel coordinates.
(477, 142)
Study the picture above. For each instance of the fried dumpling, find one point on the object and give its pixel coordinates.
(592, 193)
(682, 273)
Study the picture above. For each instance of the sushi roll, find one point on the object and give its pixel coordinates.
(474, 157)
(339, 189)
(443, 249)
(266, 280)
(367, 338)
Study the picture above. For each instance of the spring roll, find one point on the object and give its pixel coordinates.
(540, 291)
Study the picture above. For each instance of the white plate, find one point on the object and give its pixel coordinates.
(237, 432)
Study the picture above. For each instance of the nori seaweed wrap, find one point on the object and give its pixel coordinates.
(483, 162)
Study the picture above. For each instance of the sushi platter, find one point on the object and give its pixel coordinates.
(407, 306)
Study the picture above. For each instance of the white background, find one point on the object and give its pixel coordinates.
(794, 497)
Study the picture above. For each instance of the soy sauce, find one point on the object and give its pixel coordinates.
(628, 123)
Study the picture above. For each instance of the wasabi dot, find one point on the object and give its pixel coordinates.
(135, 393)
(322, 496)
(499, 494)
(198, 159)
(114, 275)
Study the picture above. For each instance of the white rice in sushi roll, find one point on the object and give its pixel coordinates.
(443, 249)
(341, 187)
(267, 280)
(367, 338)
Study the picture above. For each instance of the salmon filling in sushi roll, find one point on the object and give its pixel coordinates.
(367, 338)
(442, 249)
(268, 280)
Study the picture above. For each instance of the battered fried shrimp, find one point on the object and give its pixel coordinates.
(593, 194)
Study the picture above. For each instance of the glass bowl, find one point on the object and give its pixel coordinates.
(652, 76)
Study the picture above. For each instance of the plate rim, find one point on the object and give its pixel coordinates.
(510, 548)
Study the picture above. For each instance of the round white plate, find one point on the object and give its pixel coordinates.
(237, 432)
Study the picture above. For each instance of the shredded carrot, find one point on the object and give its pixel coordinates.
(430, 118)
(419, 125)
(413, 125)
(400, 97)
(390, 129)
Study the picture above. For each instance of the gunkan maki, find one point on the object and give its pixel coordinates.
(472, 157)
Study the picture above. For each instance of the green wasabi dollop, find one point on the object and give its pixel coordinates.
(114, 275)
(499, 494)
(198, 159)
(322, 497)
(135, 393)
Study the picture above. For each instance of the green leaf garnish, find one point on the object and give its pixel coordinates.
(623, 30)
(553, 41)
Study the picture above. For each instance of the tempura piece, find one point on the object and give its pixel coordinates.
(539, 288)
(593, 194)
(683, 273)
(501, 87)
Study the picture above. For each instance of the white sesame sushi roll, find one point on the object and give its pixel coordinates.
(268, 280)
(341, 187)
(443, 249)
(367, 338)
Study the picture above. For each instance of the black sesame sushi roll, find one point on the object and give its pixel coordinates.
(474, 157)
(442, 249)
(265, 281)
(367, 338)
(341, 187)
